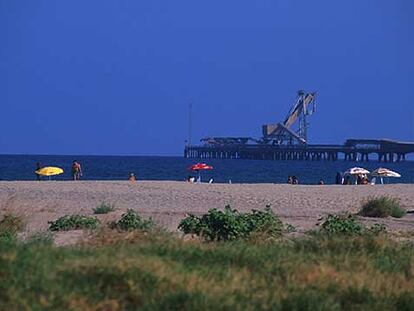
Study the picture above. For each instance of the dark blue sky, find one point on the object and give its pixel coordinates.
(115, 77)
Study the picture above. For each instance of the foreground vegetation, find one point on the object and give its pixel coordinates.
(129, 270)
(233, 261)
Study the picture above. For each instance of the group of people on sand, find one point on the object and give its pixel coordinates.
(361, 179)
(293, 180)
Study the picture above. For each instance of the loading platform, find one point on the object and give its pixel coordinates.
(352, 150)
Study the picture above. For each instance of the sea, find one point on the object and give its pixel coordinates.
(22, 167)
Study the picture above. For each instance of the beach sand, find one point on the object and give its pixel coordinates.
(167, 202)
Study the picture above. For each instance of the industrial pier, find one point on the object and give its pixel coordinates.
(282, 141)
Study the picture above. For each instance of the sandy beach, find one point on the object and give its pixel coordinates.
(168, 201)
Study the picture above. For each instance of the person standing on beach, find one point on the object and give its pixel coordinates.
(38, 167)
(76, 170)
(339, 179)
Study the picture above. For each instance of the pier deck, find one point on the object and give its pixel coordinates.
(352, 150)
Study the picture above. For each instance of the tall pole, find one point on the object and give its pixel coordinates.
(190, 121)
(413, 125)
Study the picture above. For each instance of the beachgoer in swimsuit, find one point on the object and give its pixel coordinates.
(76, 170)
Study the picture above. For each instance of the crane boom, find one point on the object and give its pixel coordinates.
(283, 132)
(299, 107)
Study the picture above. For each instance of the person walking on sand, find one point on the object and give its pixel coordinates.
(76, 170)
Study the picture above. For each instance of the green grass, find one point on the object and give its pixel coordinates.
(104, 208)
(157, 271)
(382, 207)
(10, 225)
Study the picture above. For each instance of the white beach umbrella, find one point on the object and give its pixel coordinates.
(384, 172)
(356, 171)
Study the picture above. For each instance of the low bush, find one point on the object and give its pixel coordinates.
(231, 225)
(73, 222)
(131, 220)
(382, 207)
(104, 208)
(341, 224)
(10, 225)
(377, 229)
(348, 225)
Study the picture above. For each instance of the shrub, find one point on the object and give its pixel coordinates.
(290, 228)
(131, 220)
(377, 229)
(190, 225)
(263, 222)
(104, 208)
(73, 222)
(10, 225)
(348, 225)
(231, 225)
(341, 224)
(382, 207)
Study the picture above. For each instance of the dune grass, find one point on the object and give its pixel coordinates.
(382, 207)
(159, 271)
(104, 208)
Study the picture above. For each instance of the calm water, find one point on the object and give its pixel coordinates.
(21, 167)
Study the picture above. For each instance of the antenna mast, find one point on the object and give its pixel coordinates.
(190, 122)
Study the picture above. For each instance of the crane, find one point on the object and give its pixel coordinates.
(283, 132)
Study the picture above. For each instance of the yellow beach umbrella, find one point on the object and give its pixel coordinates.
(49, 171)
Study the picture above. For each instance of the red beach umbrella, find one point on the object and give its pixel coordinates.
(200, 167)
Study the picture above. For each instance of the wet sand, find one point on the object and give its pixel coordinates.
(168, 201)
